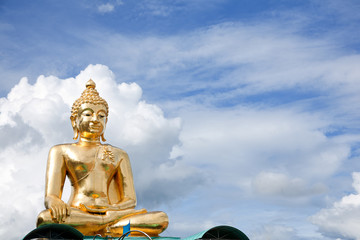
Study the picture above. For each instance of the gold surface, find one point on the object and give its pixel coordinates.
(102, 197)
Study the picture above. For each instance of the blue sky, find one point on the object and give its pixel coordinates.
(246, 112)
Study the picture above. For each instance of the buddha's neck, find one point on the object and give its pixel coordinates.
(89, 141)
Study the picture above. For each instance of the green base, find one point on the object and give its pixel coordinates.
(62, 231)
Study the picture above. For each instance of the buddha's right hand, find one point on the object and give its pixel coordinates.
(59, 209)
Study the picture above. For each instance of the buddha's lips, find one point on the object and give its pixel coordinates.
(94, 127)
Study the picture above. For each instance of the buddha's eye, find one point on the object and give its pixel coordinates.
(101, 115)
(87, 113)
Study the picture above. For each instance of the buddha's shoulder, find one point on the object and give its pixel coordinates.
(62, 147)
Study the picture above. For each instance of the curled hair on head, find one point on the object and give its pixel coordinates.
(89, 95)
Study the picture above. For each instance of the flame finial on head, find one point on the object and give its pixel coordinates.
(90, 84)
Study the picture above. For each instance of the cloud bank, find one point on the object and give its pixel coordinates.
(341, 220)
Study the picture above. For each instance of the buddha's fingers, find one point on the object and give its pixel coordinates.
(68, 210)
(53, 213)
(63, 213)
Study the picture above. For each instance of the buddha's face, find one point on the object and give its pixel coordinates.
(91, 120)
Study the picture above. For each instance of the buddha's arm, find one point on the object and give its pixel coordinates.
(125, 182)
(55, 178)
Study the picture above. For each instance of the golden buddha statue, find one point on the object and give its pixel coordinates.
(102, 197)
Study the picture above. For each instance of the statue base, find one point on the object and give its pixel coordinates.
(62, 231)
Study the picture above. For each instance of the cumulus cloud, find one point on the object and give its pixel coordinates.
(246, 146)
(341, 220)
(279, 184)
(279, 157)
(36, 116)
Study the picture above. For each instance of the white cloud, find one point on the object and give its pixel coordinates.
(236, 145)
(105, 8)
(279, 184)
(36, 116)
(109, 6)
(342, 219)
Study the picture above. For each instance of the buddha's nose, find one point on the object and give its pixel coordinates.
(95, 119)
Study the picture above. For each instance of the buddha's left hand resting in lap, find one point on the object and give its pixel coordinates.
(102, 197)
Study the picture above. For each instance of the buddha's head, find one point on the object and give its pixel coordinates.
(89, 114)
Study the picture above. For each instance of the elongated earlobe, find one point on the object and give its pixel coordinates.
(76, 133)
(75, 129)
(102, 138)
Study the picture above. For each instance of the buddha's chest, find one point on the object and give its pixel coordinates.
(91, 163)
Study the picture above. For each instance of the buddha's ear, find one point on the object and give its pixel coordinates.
(102, 135)
(102, 138)
(75, 129)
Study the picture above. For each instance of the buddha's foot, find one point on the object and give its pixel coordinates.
(152, 223)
